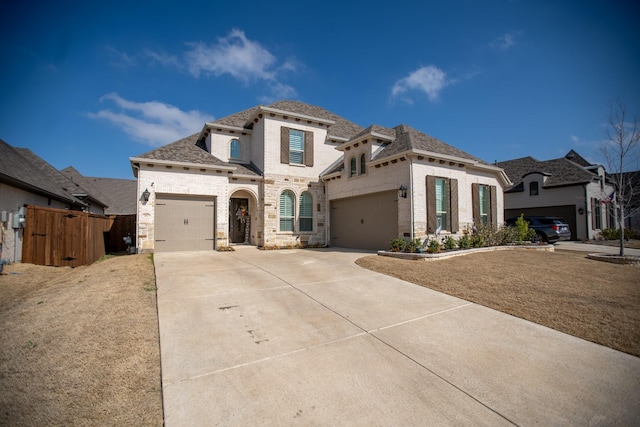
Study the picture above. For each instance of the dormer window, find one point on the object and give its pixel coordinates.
(533, 188)
(352, 167)
(234, 149)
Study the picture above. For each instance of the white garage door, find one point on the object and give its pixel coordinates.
(184, 223)
(365, 222)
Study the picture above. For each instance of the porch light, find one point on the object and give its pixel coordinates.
(402, 192)
(145, 195)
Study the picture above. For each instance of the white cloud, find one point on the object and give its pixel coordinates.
(153, 123)
(235, 54)
(505, 41)
(119, 59)
(430, 80)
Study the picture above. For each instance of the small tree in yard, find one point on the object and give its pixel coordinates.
(619, 150)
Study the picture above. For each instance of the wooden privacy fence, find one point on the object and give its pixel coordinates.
(59, 237)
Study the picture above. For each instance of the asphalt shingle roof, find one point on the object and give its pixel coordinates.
(187, 150)
(561, 171)
(23, 168)
(119, 194)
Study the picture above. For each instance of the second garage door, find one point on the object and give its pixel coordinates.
(184, 223)
(365, 222)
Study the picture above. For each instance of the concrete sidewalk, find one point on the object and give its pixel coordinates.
(594, 248)
(306, 337)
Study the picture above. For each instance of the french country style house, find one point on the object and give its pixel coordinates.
(569, 187)
(290, 173)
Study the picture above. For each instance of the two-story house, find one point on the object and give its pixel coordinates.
(292, 173)
(569, 187)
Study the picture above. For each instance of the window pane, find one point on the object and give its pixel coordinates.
(441, 203)
(363, 164)
(352, 171)
(306, 212)
(287, 209)
(235, 149)
(484, 204)
(296, 146)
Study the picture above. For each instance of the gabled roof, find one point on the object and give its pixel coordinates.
(560, 172)
(577, 158)
(341, 128)
(409, 139)
(118, 194)
(189, 151)
(23, 169)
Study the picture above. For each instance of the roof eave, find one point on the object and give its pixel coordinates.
(262, 109)
(140, 160)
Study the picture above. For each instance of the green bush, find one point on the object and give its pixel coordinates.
(397, 245)
(611, 234)
(477, 241)
(434, 246)
(525, 234)
(450, 243)
(413, 245)
(464, 242)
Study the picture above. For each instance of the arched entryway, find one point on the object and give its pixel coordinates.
(242, 218)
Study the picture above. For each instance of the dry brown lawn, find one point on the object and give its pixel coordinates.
(563, 290)
(80, 346)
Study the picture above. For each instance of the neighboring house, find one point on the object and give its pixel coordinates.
(118, 194)
(291, 173)
(568, 187)
(26, 179)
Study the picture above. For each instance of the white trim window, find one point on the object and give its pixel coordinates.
(305, 218)
(287, 210)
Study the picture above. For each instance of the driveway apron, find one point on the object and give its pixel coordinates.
(306, 337)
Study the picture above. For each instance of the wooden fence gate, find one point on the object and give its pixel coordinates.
(60, 237)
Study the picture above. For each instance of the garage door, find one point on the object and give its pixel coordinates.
(365, 222)
(184, 223)
(567, 212)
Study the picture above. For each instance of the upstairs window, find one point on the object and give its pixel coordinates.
(234, 149)
(287, 210)
(306, 212)
(352, 167)
(296, 147)
(533, 188)
(363, 164)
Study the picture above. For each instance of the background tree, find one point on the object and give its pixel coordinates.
(620, 152)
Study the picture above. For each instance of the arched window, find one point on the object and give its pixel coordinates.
(363, 164)
(306, 212)
(352, 170)
(234, 149)
(287, 210)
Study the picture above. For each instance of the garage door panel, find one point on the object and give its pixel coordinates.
(365, 222)
(184, 223)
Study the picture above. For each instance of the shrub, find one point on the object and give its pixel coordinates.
(434, 246)
(397, 245)
(525, 234)
(611, 234)
(414, 245)
(464, 242)
(477, 241)
(450, 243)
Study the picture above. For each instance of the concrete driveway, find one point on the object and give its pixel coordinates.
(306, 337)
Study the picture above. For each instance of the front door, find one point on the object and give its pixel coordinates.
(239, 220)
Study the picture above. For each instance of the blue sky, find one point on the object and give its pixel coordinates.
(89, 84)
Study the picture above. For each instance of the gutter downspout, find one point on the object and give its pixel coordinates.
(587, 215)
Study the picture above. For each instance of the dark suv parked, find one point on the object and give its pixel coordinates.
(548, 228)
